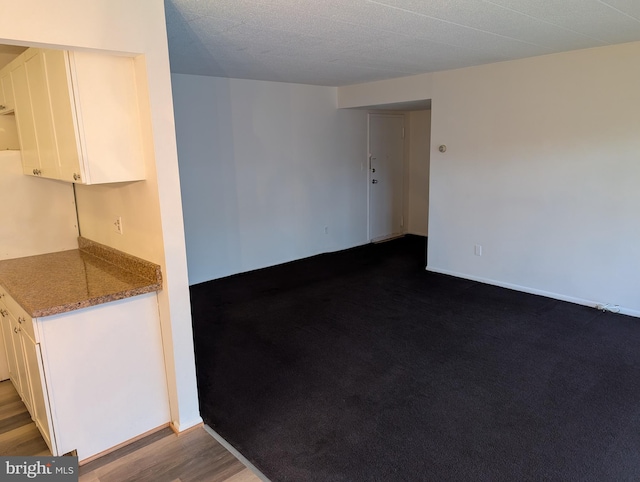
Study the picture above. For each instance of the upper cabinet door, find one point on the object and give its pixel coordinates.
(25, 121)
(108, 117)
(42, 116)
(64, 115)
(3, 103)
(6, 92)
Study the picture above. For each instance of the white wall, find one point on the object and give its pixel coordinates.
(9, 133)
(38, 215)
(541, 169)
(264, 168)
(153, 207)
(418, 172)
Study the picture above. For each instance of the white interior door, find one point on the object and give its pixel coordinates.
(386, 159)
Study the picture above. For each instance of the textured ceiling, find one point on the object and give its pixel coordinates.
(341, 42)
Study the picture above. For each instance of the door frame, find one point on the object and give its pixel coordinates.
(403, 116)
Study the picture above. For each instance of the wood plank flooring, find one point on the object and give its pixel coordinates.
(18, 433)
(192, 456)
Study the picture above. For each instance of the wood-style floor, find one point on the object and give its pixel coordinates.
(18, 433)
(193, 456)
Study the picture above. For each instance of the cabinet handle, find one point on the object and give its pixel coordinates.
(37, 172)
(21, 320)
(3, 107)
(15, 330)
(4, 313)
(76, 177)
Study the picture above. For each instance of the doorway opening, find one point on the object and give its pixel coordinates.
(399, 138)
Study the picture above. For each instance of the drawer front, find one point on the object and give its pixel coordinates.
(25, 322)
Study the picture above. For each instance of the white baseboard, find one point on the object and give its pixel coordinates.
(178, 427)
(533, 291)
(384, 239)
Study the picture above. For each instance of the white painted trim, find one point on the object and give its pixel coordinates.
(389, 237)
(235, 453)
(368, 177)
(178, 427)
(533, 291)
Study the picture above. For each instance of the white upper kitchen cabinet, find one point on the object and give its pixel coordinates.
(82, 110)
(6, 92)
(39, 95)
(24, 117)
(3, 103)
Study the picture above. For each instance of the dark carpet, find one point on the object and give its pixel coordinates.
(362, 366)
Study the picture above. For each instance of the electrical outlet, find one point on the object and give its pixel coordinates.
(477, 250)
(118, 225)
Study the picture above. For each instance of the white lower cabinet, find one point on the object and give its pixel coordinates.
(40, 402)
(92, 378)
(25, 364)
(7, 334)
(4, 359)
(23, 375)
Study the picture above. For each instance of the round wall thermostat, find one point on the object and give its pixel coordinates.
(442, 148)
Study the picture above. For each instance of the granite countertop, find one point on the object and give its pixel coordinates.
(54, 283)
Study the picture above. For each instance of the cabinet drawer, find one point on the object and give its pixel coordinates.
(25, 322)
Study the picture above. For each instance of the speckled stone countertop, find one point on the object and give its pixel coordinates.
(54, 283)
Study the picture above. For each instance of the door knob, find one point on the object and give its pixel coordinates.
(374, 181)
